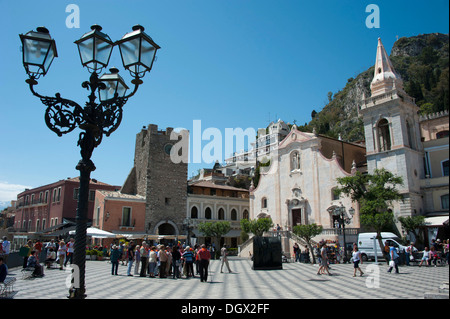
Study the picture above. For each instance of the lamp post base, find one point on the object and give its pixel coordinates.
(77, 293)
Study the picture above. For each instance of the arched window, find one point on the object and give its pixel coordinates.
(208, 214)
(441, 134)
(264, 202)
(194, 212)
(233, 214)
(295, 160)
(221, 214)
(245, 215)
(384, 137)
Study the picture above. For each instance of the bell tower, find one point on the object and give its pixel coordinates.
(392, 133)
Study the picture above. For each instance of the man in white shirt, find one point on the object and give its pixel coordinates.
(6, 246)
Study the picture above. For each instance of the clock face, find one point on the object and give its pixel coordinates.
(167, 148)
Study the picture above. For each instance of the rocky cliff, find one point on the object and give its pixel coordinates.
(423, 63)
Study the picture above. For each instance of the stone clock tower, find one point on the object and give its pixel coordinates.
(160, 180)
(392, 133)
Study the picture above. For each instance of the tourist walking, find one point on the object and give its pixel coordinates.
(323, 260)
(152, 260)
(393, 255)
(70, 249)
(176, 262)
(137, 259)
(356, 260)
(144, 259)
(297, 252)
(409, 253)
(130, 257)
(203, 256)
(6, 247)
(163, 259)
(224, 255)
(115, 257)
(62, 252)
(425, 257)
(188, 257)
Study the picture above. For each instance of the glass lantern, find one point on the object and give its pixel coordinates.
(38, 52)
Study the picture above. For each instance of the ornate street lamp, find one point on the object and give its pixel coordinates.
(344, 219)
(95, 118)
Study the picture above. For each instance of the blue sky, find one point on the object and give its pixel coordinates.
(228, 63)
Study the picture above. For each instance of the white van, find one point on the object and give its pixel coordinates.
(366, 244)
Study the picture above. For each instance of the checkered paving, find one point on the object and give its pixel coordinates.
(294, 281)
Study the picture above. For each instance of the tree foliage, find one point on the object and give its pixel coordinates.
(256, 226)
(412, 224)
(307, 232)
(375, 194)
(215, 230)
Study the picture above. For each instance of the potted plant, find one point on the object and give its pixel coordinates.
(93, 254)
(99, 255)
(88, 253)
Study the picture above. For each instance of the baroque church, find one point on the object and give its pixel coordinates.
(298, 186)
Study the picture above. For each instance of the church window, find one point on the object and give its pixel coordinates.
(194, 212)
(384, 137)
(264, 202)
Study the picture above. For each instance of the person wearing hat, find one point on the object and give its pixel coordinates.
(188, 258)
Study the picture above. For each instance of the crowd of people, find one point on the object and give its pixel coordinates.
(182, 261)
(176, 261)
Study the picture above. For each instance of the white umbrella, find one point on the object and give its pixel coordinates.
(96, 233)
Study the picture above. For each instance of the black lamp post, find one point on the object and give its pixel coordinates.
(340, 212)
(95, 118)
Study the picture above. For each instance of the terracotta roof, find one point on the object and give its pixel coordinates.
(119, 195)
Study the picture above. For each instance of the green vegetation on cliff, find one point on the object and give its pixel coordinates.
(423, 63)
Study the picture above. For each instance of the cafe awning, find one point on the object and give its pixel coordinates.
(96, 233)
(437, 221)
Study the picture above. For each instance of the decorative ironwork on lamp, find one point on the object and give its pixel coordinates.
(95, 119)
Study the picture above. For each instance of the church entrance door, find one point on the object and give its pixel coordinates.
(296, 217)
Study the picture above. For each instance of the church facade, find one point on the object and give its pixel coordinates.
(298, 186)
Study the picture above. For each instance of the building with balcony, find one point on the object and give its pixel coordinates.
(210, 202)
(45, 209)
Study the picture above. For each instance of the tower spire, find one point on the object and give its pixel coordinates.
(385, 77)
